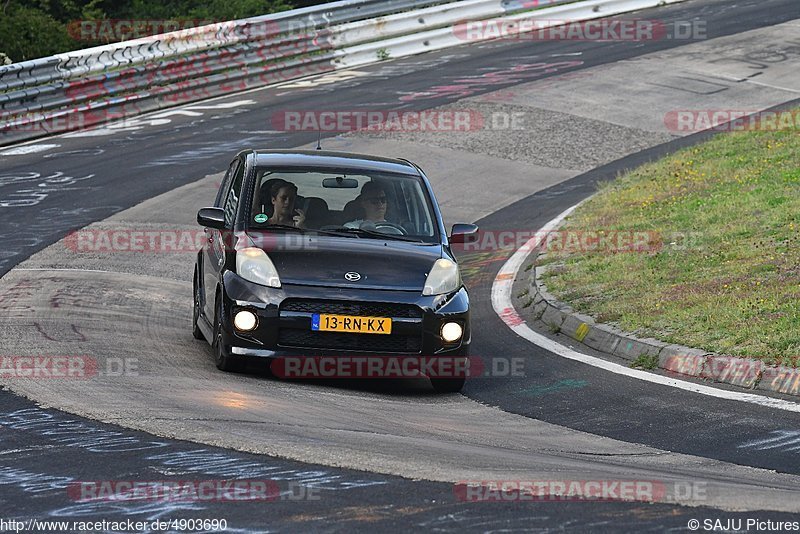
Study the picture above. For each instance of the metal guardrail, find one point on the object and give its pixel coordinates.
(86, 87)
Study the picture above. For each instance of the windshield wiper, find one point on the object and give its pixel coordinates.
(278, 227)
(341, 232)
(299, 230)
(370, 233)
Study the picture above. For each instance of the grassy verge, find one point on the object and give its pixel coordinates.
(723, 271)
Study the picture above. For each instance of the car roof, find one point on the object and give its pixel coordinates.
(330, 159)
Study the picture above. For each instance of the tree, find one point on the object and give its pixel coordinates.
(31, 29)
(28, 33)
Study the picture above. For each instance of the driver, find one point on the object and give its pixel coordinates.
(373, 201)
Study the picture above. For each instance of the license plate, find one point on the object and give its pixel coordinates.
(355, 324)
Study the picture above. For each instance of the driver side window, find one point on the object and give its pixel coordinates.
(225, 186)
(233, 195)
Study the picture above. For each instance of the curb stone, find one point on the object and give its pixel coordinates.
(743, 372)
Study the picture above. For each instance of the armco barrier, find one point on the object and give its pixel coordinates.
(91, 86)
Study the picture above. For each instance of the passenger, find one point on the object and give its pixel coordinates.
(283, 195)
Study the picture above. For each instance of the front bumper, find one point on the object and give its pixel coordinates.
(284, 321)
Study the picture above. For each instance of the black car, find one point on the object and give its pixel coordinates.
(312, 254)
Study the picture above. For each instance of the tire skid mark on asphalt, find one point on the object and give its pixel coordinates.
(787, 440)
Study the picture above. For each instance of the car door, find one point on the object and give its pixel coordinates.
(216, 240)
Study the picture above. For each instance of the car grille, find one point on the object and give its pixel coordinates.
(394, 342)
(291, 337)
(371, 309)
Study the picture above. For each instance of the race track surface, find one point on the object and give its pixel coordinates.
(383, 456)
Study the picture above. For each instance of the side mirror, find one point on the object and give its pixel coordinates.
(463, 233)
(211, 218)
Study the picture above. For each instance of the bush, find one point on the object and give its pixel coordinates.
(28, 33)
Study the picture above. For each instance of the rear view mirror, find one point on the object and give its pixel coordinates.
(340, 182)
(211, 218)
(463, 233)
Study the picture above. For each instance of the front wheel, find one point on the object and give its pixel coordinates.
(224, 360)
(448, 385)
(196, 332)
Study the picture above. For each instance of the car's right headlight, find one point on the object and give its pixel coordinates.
(443, 278)
(254, 265)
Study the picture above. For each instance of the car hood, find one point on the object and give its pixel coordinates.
(323, 261)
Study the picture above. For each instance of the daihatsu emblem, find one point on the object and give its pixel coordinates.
(352, 276)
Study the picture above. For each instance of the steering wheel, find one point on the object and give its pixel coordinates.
(395, 229)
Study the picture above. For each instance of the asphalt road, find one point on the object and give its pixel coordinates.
(38, 466)
(115, 171)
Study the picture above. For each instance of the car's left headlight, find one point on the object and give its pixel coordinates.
(254, 265)
(443, 278)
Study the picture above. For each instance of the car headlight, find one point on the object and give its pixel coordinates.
(443, 278)
(452, 332)
(254, 265)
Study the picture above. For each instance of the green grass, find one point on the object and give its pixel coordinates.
(724, 272)
(645, 362)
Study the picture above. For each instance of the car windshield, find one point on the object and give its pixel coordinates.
(367, 205)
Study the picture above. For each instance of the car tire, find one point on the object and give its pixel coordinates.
(196, 332)
(222, 358)
(448, 385)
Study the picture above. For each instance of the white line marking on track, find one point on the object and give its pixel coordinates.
(27, 149)
(225, 105)
(501, 302)
(771, 86)
(71, 270)
(173, 112)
